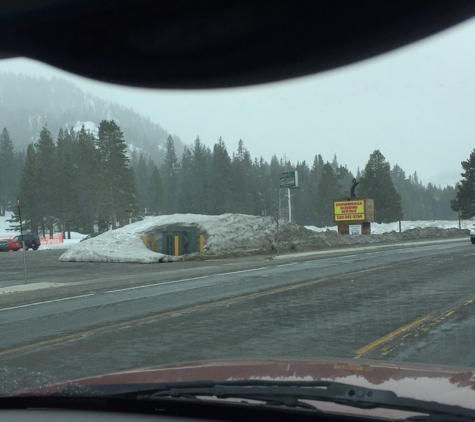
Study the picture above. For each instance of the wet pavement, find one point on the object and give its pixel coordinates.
(331, 306)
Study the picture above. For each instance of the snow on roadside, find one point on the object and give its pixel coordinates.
(4, 225)
(112, 246)
(67, 243)
(224, 234)
(380, 228)
(236, 234)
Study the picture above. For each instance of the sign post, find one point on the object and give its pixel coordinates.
(22, 239)
(289, 180)
(289, 203)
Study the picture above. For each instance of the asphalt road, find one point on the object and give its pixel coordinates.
(413, 304)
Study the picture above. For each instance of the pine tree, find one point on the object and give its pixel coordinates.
(275, 167)
(185, 183)
(154, 200)
(200, 178)
(48, 199)
(328, 190)
(170, 177)
(143, 177)
(118, 177)
(242, 186)
(315, 175)
(220, 180)
(91, 189)
(464, 201)
(9, 172)
(301, 206)
(262, 188)
(376, 183)
(66, 186)
(29, 195)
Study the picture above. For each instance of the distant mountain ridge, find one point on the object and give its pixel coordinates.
(28, 103)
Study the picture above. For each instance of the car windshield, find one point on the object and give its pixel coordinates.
(326, 219)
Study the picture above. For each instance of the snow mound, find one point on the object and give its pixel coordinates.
(112, 246)
(224, 234)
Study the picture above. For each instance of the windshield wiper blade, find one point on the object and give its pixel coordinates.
(286, 393)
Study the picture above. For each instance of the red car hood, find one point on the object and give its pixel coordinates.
(444, 384)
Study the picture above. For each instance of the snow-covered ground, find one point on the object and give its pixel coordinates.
(380, 228)
(4, 225)
(234, 234)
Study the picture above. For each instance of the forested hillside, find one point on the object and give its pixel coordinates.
(27, 104)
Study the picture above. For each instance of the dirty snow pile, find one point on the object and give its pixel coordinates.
(224, 234)
(239, 234)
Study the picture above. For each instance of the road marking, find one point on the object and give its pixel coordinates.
(243, 271)
(128, 323)
(422, 329)
(156, 284)
(181, 280)
(46, 301)
(373, 344)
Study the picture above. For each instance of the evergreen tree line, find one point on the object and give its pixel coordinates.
(464, 202)
(209, 181)
(80, 181)
(76, 182)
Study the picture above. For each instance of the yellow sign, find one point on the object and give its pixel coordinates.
(349, 210)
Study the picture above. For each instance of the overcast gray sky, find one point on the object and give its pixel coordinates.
(416, 105)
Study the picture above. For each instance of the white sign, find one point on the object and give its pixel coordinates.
(354, 229)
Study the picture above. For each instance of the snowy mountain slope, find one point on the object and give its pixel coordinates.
(27, 104)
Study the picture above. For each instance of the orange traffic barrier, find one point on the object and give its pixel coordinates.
(52, 240)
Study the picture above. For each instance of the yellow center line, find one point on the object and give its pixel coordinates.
(390, 335)
(127, 323)
(423, 328)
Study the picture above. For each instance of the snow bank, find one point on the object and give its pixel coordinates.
(112, 246)
(239, 234)
(67, 243)
(224, 234)
(380, 228)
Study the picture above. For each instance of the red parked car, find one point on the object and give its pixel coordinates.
(14, 244)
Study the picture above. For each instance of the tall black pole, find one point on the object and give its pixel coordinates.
(22, 239)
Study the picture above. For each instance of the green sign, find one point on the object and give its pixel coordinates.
(289, 179)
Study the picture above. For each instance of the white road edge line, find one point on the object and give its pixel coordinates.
(46, 301)
(155, 284)
(181, 280)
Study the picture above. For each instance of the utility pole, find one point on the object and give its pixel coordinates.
(22, 239)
